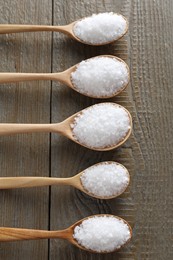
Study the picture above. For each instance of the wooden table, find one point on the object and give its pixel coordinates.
(147, 204)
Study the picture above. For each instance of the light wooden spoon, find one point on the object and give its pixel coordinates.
(66, 29)
(75, 181)
(18, 234)
(63, 77)
(63, 128)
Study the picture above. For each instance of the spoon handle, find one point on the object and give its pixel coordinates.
(8, 129)
(17, 28)
(18, 77)
(16, 234)
(26, 182)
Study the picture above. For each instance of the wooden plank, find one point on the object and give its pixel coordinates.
(151, 79)
(67, 204)
(147, 154)
(25, 155)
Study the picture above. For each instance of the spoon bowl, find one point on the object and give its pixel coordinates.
(66, 29)
(18, 234)
(65, 128)
(75, 181)
(78, 223)
(65, 77)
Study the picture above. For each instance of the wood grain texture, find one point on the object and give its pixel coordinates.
(151, 39)
(25, 102)
(148, 152)
(147, 204)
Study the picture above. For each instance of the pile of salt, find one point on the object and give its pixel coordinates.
(105, 179)
(100, 76)
(100, 28)
(102, 125)
(102, 233)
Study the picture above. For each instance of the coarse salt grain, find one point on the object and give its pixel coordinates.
(101, 125)
(100, 28)
(100, 76)
(105, 179)
(102, 233)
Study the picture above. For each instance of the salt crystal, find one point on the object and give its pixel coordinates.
(100, 28)
(100, 76)
(101, 125)
(102, 233)
(105, 179)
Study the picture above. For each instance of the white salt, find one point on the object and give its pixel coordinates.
(100, 76)
(105, 179)
(102, 233)
(102, 125)
(100, 28)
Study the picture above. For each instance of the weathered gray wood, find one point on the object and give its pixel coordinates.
(147, 204)
(147, 154)
(152, 93)
(25, 102)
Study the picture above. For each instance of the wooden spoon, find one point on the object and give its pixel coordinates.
(75, 181)
(63, 77)
(18, 234)
(66, 29)
(63, 128)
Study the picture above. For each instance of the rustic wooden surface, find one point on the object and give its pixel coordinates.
(147, 204)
